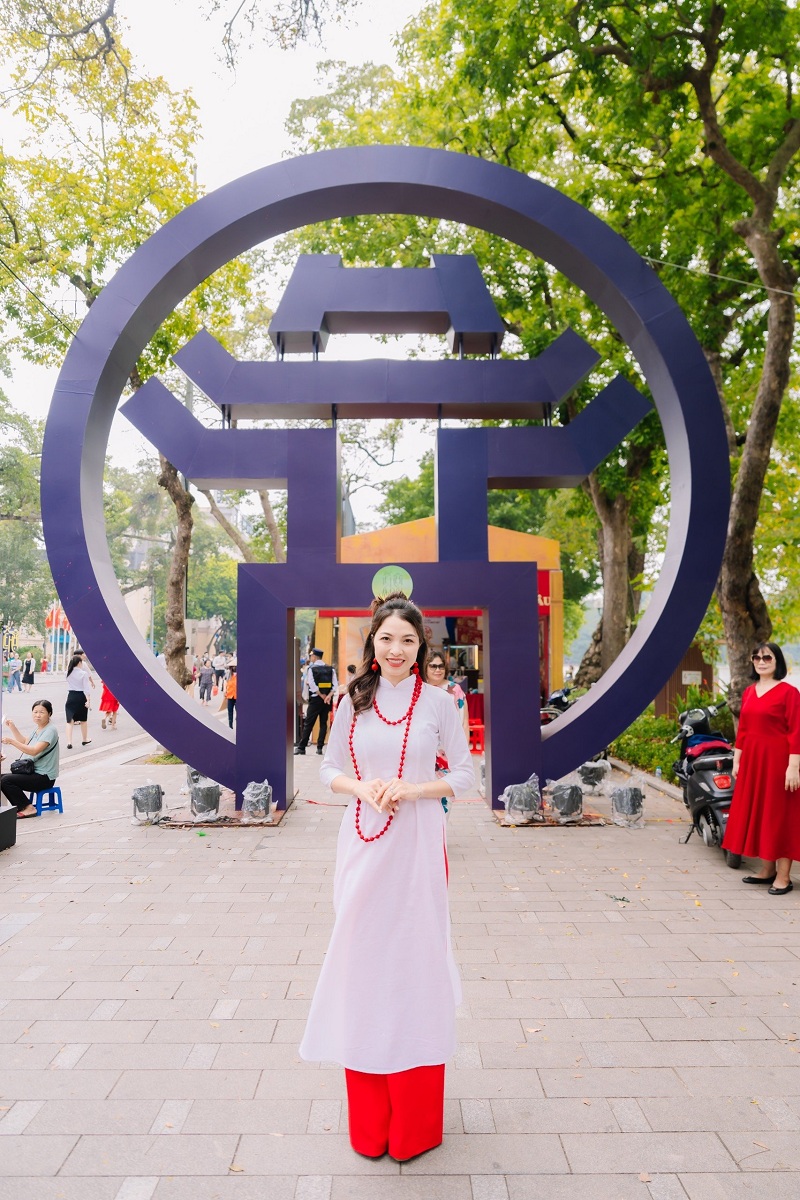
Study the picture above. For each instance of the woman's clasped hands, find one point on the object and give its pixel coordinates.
(385, 795)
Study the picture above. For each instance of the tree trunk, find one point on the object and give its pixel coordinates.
(744, 612)
(175, 644)
(274, 532)
(589, 671)
(615, 546)
(238, 539)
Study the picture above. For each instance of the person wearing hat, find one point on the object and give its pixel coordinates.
(321, 684)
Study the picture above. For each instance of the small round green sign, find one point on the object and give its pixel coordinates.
(392, 579)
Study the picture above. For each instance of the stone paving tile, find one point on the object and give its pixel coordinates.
(711, 1114)
(777, 1185)
(493, 1154)
(88, 1031)
(576, 1187)
(554, 1116)
(248, 1032)
(34, 1156)
(688, 1054)
(56, 1085)
(235, 1187)
(101, 1116)
(740, 1081)
(331, 1155)
(251, 1116)
(145, 1057)
(612, 1081)
(405, 1187)
(596, 1153)
(128, 1155)
(20, 1188)
(760, 1151)
(185, 1085)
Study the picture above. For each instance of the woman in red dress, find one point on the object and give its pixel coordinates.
(109, 707)
(764, 820)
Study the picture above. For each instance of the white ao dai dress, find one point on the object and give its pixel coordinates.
(389, 986)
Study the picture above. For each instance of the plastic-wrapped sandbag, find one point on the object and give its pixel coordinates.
(205, 800)
(593, 774)
(193, 777)
(627, 807)
(257, 798)
(148, 804)
(523, 801)
(567, 802)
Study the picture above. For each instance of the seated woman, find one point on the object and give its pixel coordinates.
(42, 748)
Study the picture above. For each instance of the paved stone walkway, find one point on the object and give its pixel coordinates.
(629, 1029)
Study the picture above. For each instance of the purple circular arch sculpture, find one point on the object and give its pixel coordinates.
(377, 180)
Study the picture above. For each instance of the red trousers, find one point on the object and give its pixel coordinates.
(402, 1113)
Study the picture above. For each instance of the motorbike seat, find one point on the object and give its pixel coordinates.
(708, 747)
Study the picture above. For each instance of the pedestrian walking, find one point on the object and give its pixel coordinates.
(230, 694)
(76, 708)
(205, 678)
(109, 707)
(14, 670)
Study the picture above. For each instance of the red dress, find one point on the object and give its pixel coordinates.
(108, 702)
(764, 820)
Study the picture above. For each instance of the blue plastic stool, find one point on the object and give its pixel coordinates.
(54, 802)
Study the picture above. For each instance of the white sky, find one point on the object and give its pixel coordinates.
(242, 117)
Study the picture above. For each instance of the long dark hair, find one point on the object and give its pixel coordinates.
(364, 685)
(781, 670)
(75, 661)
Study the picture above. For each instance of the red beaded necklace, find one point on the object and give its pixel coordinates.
(405, 719)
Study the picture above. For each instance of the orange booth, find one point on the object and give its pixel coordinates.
(458, 634)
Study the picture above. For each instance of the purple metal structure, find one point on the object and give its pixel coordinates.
(345, 183)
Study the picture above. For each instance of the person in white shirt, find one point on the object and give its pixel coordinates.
(76, 708)
(321, 686)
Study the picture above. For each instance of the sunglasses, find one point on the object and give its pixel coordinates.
(436, 666)
(763, 658)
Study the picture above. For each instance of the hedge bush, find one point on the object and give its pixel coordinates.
(646, 743)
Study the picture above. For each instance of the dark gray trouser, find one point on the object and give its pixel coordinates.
(15, 786)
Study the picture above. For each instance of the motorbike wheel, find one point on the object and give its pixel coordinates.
(734, 861)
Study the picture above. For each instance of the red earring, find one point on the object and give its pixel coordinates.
(415, 669)
(374, 664)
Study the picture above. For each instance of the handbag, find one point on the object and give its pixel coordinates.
(23, 766)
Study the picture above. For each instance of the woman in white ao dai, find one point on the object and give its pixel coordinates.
(384, 1006)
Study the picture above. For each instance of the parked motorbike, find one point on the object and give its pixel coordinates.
(559, 702)
(704, 770)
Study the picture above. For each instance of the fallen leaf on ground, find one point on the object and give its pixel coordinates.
(645, 1178)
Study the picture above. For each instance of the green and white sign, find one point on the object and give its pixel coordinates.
(392, 579)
